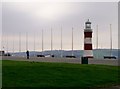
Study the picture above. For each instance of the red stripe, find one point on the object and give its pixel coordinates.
(87, 34)
(87, 46)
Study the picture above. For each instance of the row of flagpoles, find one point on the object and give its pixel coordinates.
(42, 40)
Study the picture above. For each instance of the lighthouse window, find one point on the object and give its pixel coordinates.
(88, 25)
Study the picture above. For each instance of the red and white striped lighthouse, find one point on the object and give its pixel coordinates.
(88, 40)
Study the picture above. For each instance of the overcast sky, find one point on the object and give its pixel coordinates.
(32, 17)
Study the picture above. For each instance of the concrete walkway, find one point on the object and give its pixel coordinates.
(65, 60)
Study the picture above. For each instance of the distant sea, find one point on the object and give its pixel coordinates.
(98, 53)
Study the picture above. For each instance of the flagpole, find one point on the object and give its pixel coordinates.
(7, 45)
(34, 44)
(61, 43)
(19, 42)
(97, 40)
(110, 39)
(26, 41)
(13, 43)
(51, 42)
(42, 41)
(72, 41)
(97, 37)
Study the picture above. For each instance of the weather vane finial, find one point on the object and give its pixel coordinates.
(88, 20)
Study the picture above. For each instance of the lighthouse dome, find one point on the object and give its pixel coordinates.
(88, 22)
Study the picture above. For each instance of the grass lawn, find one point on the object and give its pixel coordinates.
(56, 75)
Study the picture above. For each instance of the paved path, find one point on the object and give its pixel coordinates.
(65, 60)
(113, 87)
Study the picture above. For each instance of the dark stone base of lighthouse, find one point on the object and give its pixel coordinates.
(90, 57)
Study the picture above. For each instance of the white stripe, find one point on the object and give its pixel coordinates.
(88, 53)
(88, 30)
(88, 40)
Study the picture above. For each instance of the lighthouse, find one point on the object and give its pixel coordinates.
(88, 40)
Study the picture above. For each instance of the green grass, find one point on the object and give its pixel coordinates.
(0, 73)
(46, 75)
